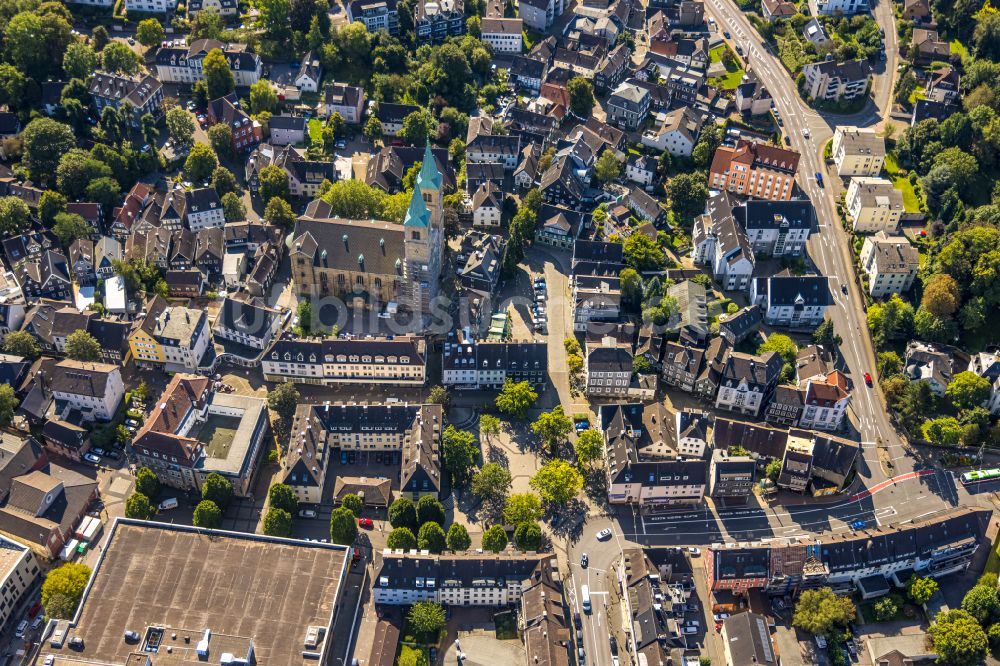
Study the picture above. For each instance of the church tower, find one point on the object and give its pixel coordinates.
(424, 225)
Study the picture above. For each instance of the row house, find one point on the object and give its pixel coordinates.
(95, 390)
(890, 262)
(608, 368)
(247, 322)
(539, 15)
(175, 339)
(776, 228)
(503, 35)
(747, 381)
(858, 151)
(457, 579)
(479, 365)
(644, 464)
(246, 131)
(720, 242)
(754, 169)
(398, 362)
(796, 301)
(144, 94)
(558, 227)
(375, 15)
(436, 20)
(503, 149)
(527, 72)
(179, 62)
(873, 204)
(220, 7)
(348, 101)
(833, 81)
(48, 276)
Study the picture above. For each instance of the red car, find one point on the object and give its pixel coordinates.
(868, 379)
(366, 523)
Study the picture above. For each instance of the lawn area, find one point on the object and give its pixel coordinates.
(957, 47)
(911, 192)
(993, 561)
(412, 655)
(316, 131)
(734, 73)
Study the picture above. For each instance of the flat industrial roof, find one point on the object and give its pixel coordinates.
(246, 589)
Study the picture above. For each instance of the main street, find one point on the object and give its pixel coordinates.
(829, 245)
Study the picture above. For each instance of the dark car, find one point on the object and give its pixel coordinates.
(725, 33)
(858, 525)
(819, 179)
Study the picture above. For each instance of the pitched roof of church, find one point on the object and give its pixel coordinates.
(429, 176)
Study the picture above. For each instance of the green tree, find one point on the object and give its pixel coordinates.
(968, 390)
(439, 396)
(283, 399)
(21, 343)
(581, 97)
(44, 141)
(353, 502)
(281, 496)
(557, 482)
(279, 213)
(489, 426)
(403, 513)
(773, 470)
(262, 97)
(305, 316)
(943, 431)
(460, 452)
(819, 611)
(36, 43)
(147, 483)
(118, 58)
(885, 609)
(69, 227)
(149, 32)
(515, 399)
(426, 618)
(495, 539)
(825, 336)
(218, 77)
(207, 515)
(958, 638)
(218, 489)
(429, 509)
(100, 38)
(63, 588)
(688, 194)
(104, 191)
(922, 589)
(528, 536)
(139, 507)
(200, 163)
(224, 181)
(277, 522)
(8, 403)
(981, 603)
(51, 204)
(491, 485)
(274, 18)
(458, 538)
(782, 344)
(343, 526)
(82, 346)
(631, 286)
(180, 126)
(607, 168)
(273, 183)
(942, 295)
(233, 208)
(417, 128)
(643, 254)
(401, 538)
(373, 128)
(522, 508)
(79, 61)
(589, 446)
(221, 139)
(431, 537)
(552, 427)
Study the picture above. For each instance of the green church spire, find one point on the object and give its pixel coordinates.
(429, 176)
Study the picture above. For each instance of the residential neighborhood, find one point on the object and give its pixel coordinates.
(609, 333)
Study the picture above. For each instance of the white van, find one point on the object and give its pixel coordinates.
(585, 596)
(169, 503)
(21, 628)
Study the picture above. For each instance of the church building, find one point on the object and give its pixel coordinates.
(373, 261)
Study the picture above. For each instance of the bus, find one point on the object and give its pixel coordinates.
(585, 595)
(980, 475)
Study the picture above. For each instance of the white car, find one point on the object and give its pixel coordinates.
(604, 534)
(719, 617)
(307, 513)
(91, 458)
(690, 630)
(694, 551)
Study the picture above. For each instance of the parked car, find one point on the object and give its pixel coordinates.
(91, 458)
(725, 33)
(694, 551)
(690, 630)
(604, 534)
(307, 513)
(366, 523)
(21, 628)
(719, 617)
(858, 525)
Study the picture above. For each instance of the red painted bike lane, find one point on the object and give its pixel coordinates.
(867, 492)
